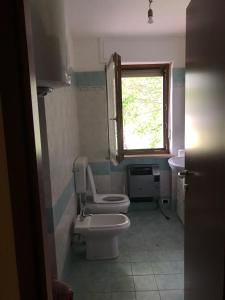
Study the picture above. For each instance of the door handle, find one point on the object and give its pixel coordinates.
(113, 119)
(185, 173)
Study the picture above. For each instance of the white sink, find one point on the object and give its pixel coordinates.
(176, 163)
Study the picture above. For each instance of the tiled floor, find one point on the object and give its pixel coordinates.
(150, 266)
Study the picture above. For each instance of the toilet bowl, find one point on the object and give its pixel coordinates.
(105, 203)
(101, 233)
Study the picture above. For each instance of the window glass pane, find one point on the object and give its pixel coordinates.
(142, 99)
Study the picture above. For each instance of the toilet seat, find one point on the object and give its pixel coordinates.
(106, 203)
(102, 222)
(100, 231)
(110, 198)
(94, 202)
(107, 208)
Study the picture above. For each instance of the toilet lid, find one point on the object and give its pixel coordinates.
(91, 180)
(113, 198)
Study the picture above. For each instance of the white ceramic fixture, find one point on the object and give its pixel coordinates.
(105, 203)
(176, 163)
(97, 203)
(101, 233)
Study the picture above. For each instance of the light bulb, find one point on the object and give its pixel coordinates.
(150, 16)
(150, 20)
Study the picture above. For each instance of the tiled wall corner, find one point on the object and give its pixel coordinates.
(178, 76)
(92, 116)
(165, 184)
(118, 182)
(103, 183)
(63, 147)
(63, 234)
(114, 180)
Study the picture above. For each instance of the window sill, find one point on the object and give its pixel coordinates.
(166, 155)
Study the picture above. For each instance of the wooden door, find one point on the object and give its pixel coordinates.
(20, 122)
(205, 150)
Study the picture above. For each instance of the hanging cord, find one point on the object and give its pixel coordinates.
(161, 209)
(150, 13)
(150, 3)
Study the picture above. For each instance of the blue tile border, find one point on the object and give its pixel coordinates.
(101, 167)
(178, 75)
(89, 79)
(98, 79)
(162, 162)
(106, 167)
(60, 206)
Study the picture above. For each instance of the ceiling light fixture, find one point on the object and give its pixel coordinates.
(150, 13)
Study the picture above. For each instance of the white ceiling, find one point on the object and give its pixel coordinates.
(106, 18)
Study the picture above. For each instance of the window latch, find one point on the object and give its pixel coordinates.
(113, 119)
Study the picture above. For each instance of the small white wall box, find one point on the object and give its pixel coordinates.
(143, 182)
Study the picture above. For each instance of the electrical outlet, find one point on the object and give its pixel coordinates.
(166, 202)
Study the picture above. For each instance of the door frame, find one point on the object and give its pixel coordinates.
(23, 149)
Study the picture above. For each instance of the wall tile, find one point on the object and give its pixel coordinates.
(165, 184)
(88, 79)
(92, 116)
(62, 133)
(103, 184)
(63, 235)
(118, 182)
(63, 137)
(179, 76)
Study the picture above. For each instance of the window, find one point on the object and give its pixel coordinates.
(145, 109)
(137, 108)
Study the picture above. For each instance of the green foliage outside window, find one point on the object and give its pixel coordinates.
(142, 99)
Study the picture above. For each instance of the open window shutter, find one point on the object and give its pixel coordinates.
(115, 121)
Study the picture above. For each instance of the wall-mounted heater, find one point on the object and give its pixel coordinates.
(50, 43)
(143, 182)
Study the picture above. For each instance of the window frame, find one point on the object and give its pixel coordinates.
(116, 155)
(165, 68)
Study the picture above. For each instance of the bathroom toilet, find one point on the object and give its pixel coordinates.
(98, 203)
(101, 233)
(105, 203)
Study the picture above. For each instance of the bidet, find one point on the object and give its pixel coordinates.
(101, 233)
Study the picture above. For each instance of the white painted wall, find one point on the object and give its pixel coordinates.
(87, 55)
(149, 50)
(177, 118)
(92, 54)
